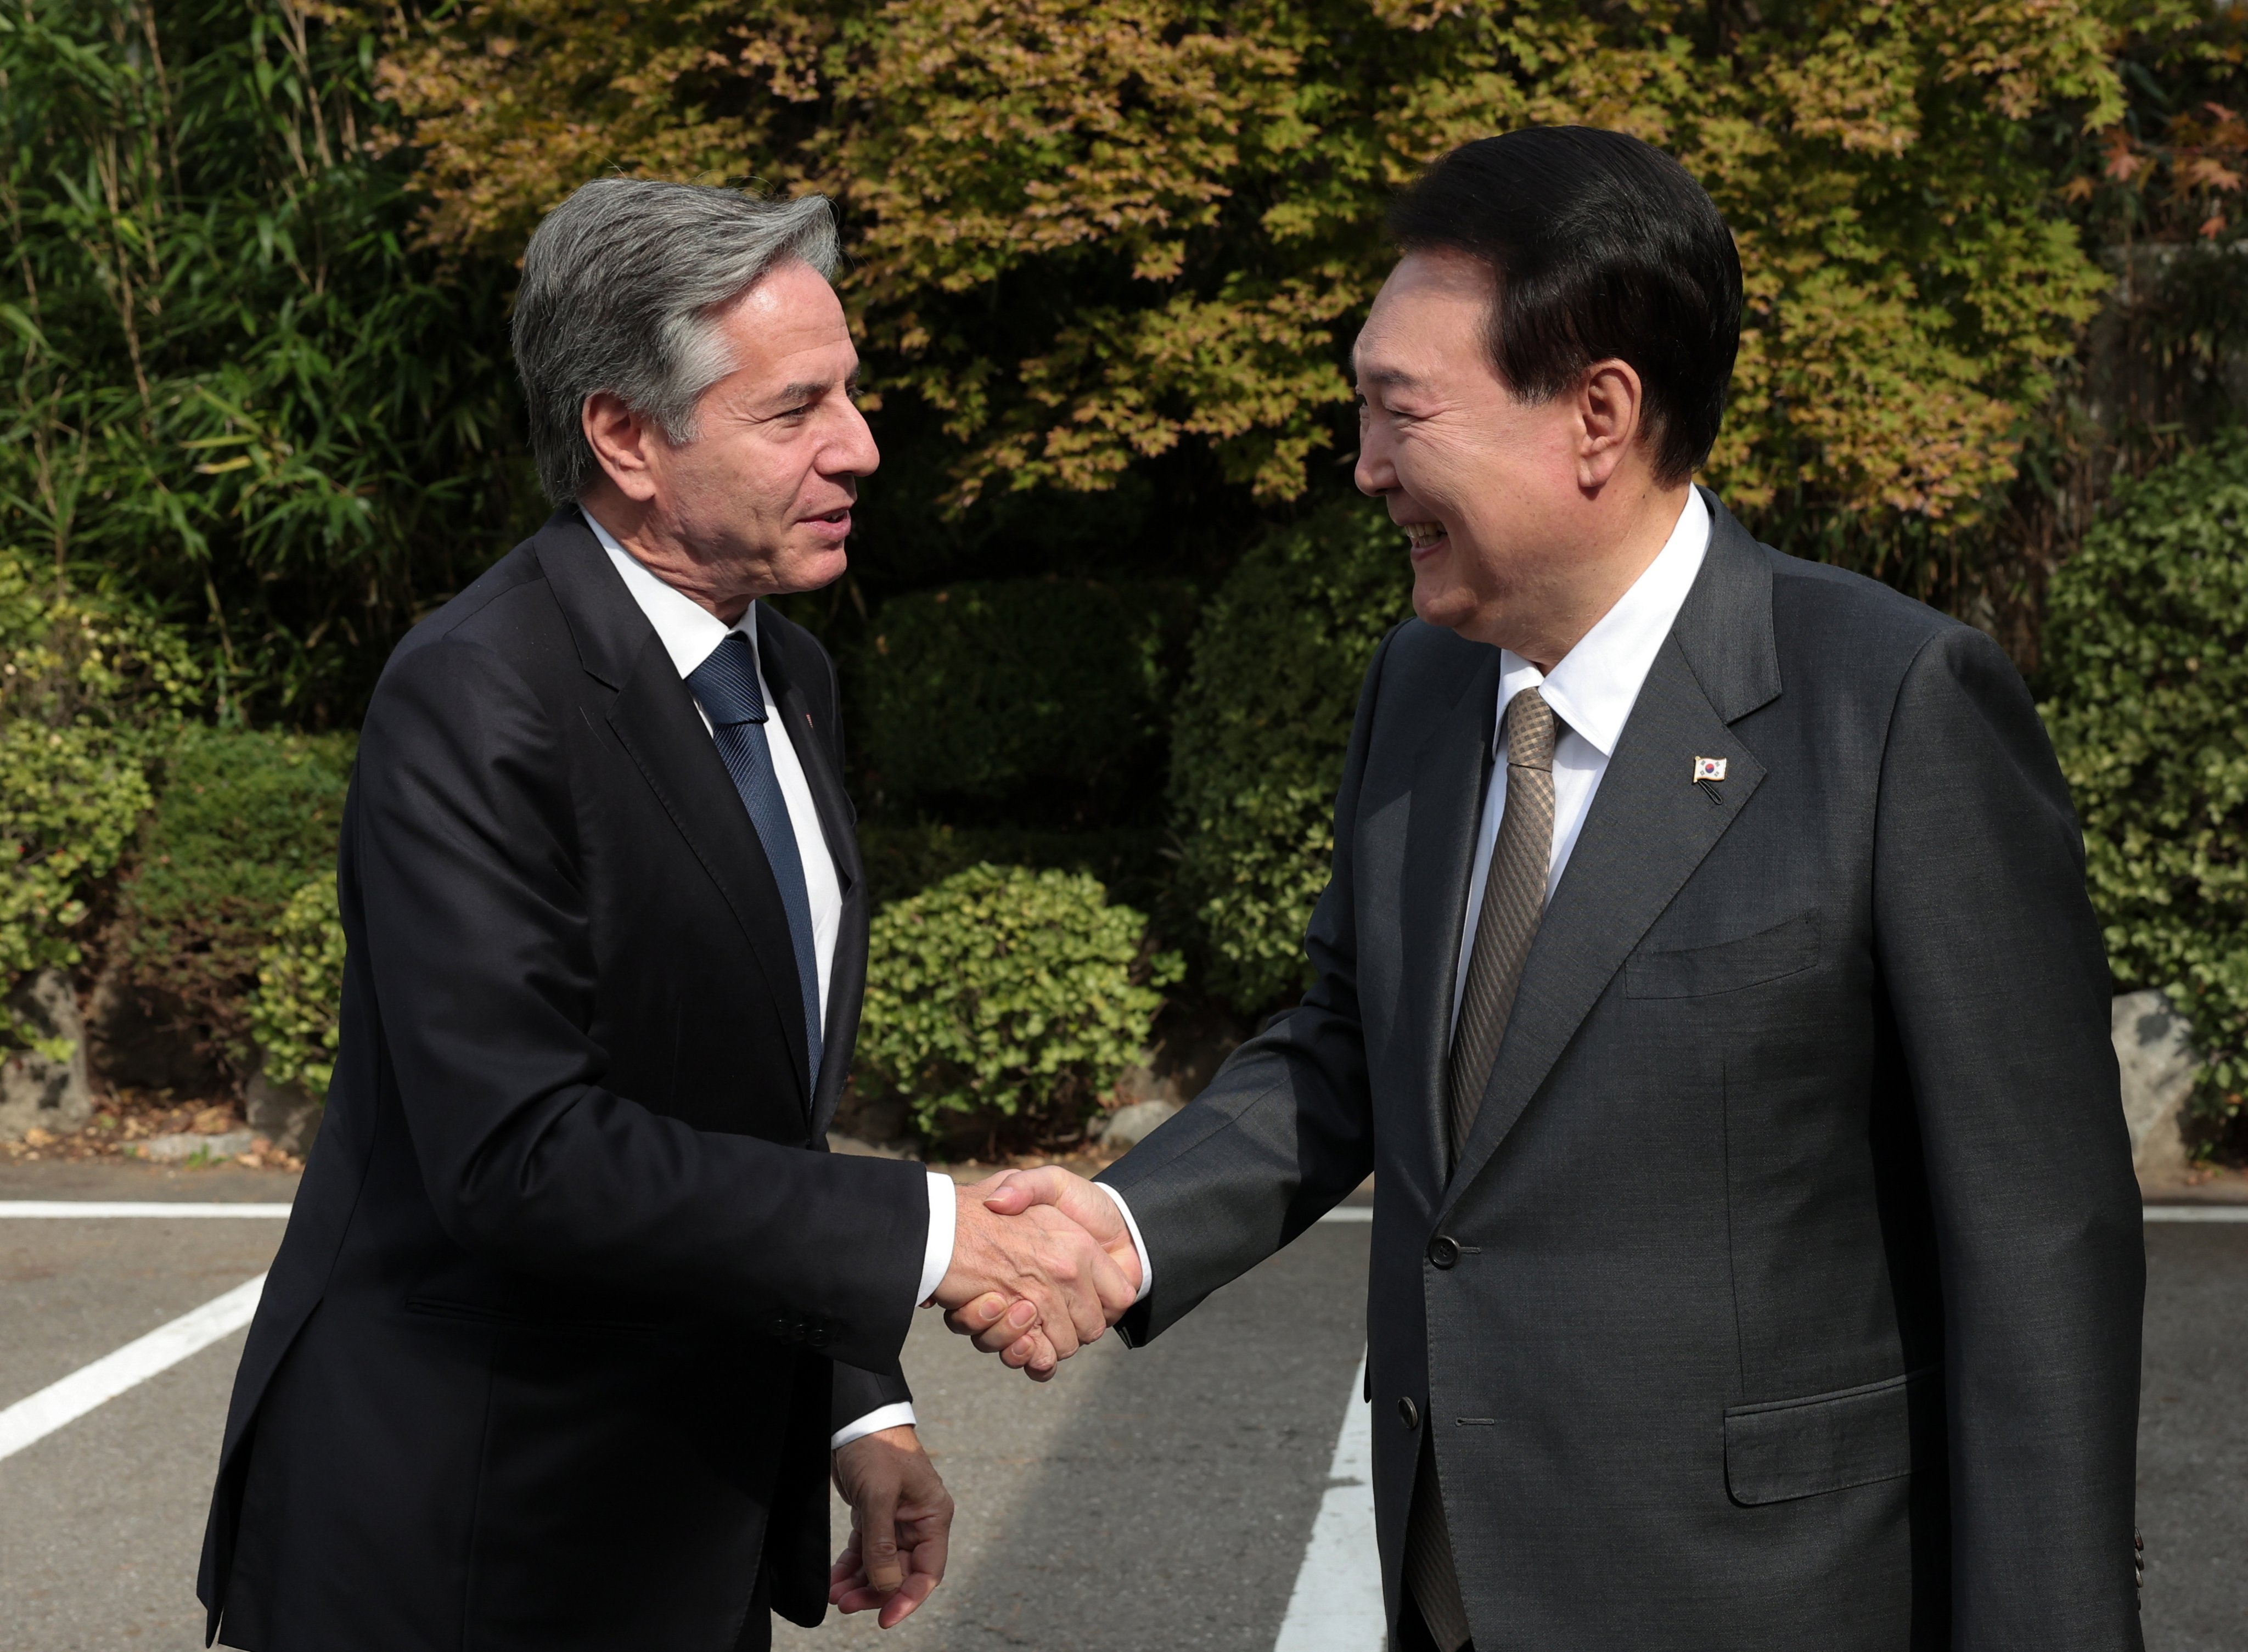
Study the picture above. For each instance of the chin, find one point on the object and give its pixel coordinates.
(1443, 602)
(808, 568)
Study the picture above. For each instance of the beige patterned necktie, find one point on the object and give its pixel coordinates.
(1513, 901)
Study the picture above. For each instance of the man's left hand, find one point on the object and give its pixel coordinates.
(901, 1521)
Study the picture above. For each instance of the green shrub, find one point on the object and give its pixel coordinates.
(1045, 698)
(2147, 660)
(244, 821)
(1005, 1002)
(1257, 747)
(89, 688)
(300, 986)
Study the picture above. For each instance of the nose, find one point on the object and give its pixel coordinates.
(852, 452)
(1376, 471)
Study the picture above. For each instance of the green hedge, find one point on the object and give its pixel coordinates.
(243, 821)
(1257, 746)
(1003, 1003)
(2146, 652)
(1042, 698)
(300, 987)
(90, 688)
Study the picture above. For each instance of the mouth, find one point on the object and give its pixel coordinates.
(832, 524)
(1422, 538)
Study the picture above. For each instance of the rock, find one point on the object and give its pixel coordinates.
(148, 1044)
(285, 1115)
(38, 1092)
(187, 1143)
(883, 1125)
(1129, 1126)
(2154, 1049)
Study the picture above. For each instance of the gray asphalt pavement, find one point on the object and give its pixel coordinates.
(1160, 1499)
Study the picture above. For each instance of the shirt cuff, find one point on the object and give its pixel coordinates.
(943, 1218)
(900, 1415)
(1138, 1245)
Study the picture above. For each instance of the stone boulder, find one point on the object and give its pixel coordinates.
(1129, 1126)
(37, 1091)
(284, 1115)
(2154, 1049)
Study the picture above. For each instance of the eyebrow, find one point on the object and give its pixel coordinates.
(811, 389)
(1390, 377)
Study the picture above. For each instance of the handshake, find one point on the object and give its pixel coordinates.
(1043, 1261)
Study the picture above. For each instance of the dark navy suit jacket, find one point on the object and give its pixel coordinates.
(572, 1293)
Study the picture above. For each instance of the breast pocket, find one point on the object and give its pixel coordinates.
(1786, 948)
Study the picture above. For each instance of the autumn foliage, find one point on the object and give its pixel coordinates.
(1086, 231)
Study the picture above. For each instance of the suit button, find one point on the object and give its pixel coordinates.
(817, 1336)
(1443, 1251)
(1408, 1412)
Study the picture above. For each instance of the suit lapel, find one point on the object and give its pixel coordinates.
(1450, 774)
(778, 653)
(1649, 826)
(655, 719)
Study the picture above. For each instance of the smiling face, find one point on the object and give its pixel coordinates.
(759, 502)
(1525, 520)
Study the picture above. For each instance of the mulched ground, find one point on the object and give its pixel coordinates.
(122, 1117)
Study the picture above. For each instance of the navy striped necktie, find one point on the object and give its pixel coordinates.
(727, 688)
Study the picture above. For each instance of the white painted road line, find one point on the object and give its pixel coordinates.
(2196, 1213)
(1337, 1603)
(2153, 1213)
(93, 1206)
(109, 1377)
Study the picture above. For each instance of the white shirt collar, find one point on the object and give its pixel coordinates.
(1594, 688)
(688, 630)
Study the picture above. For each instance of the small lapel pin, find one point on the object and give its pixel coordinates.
(1708, 769)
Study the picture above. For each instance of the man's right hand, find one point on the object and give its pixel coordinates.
(1006, 1325)
(1037, 1259)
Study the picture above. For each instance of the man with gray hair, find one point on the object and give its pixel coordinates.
(575, 1313)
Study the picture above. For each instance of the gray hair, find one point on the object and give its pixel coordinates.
(623, 286)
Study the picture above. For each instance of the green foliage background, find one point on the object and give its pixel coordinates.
(1257, 749)
(2147, 660)
(300, 984)
(245, 818)
(1112, 591)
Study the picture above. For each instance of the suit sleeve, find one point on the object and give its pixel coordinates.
(471, 889)
(1285, 1129)
(1994, 971)
(859, 1392)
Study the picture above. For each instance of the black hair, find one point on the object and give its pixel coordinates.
(1601, 247)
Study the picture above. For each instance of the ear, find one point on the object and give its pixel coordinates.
(623, 442)
(1611, 412)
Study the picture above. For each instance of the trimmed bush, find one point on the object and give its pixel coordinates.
(300, 988)
(89, 688)
(1257, 747)
(1039, 700)
(1004, 1004)
(2147, 659)
(244, 820)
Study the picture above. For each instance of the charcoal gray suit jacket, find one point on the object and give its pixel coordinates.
(1786, 1295)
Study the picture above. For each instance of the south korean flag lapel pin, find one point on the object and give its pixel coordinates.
(1708, 773)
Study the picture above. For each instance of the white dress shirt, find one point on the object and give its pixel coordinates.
(689, 632)
(1591, 691)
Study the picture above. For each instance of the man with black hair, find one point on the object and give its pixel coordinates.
(1708, 979)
